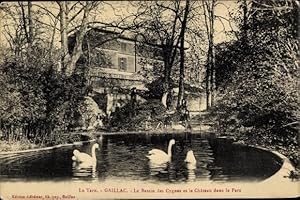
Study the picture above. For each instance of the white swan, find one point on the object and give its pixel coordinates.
(159, 157)
(190, 160)
(84, 157)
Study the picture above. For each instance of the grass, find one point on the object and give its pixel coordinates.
(17, 145)
(55, 138)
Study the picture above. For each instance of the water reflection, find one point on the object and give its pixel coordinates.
(191, 174)
(157, 168)
(84, 170)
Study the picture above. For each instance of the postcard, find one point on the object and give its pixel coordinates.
(149, 99)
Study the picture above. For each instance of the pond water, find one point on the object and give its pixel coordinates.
(124, 157)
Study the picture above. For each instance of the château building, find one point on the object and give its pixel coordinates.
(117, 63)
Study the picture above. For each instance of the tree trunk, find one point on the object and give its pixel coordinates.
(69, 61)
(212, 54)
(166, 85)
(164, 98)
(30, 23)
(207, 83)
(245, 23)
(208, 7)
(167, 77)
(24, 24)
(182, 67)
(170, 50)
(63, 36)
(212, 75)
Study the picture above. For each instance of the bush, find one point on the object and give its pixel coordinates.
(156, 88)
(262, 108)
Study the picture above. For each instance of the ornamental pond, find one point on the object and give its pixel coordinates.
(123, 156)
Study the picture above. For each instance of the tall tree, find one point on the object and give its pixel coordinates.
(161, 25)
(209, 17)
(165, 23)
(70, 58)
(182, 53)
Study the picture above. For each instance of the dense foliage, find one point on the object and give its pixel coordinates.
(258, 79)
(35, 98)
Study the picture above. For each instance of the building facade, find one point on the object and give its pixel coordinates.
(116, 64)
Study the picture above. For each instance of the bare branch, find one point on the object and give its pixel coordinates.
(24, 21)
(45, 9)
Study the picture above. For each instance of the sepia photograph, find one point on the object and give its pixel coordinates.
(149, 99)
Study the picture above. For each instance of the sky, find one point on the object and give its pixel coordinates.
(105, 14)
(222, 10)
(221, 25)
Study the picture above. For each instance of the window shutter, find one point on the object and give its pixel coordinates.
(124, 63)
(131, 66)
(119, 63)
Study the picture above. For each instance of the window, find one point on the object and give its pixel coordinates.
(123, 64)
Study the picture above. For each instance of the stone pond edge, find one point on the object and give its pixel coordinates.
(283, 173)
(286, 168)
(47, 148)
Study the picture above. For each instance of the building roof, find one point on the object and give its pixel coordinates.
(122, 34)
(125, 35)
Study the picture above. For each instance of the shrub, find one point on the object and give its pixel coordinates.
(122, 121)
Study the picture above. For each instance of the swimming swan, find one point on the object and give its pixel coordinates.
(158, 156)
(190, 157)
(190, 160)
(84, 157)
